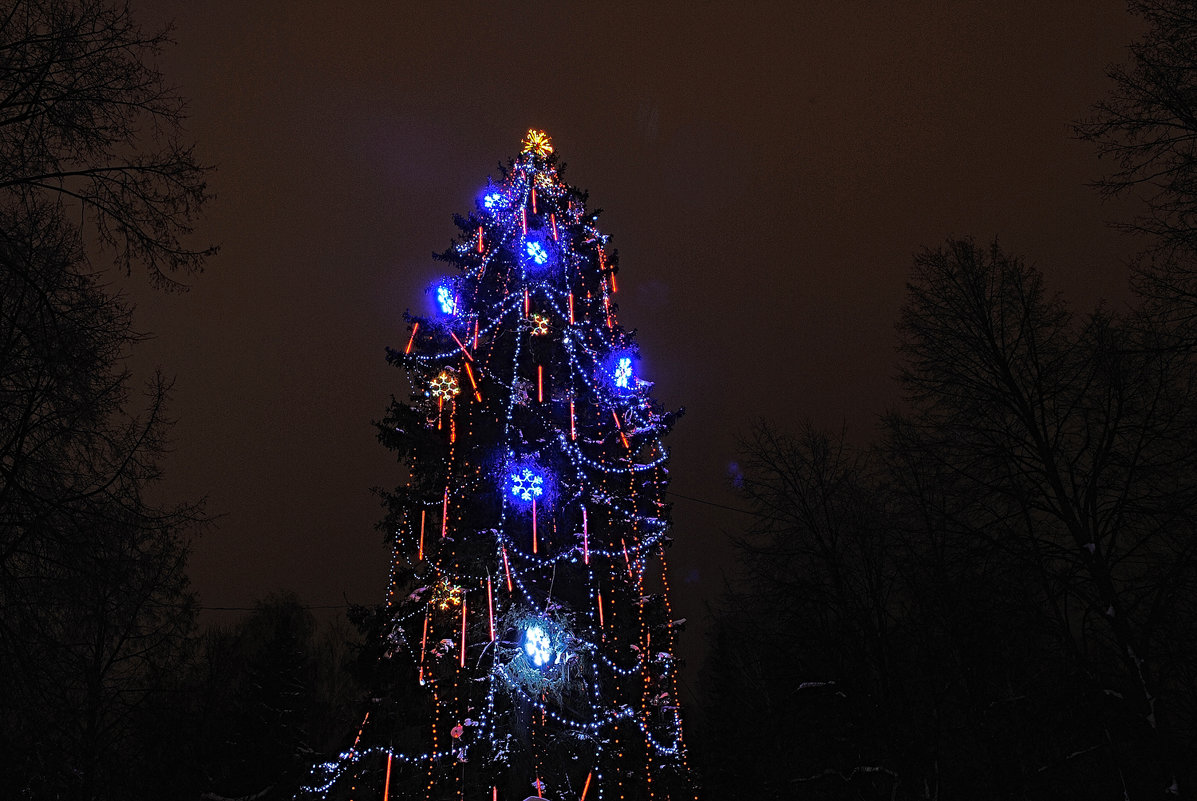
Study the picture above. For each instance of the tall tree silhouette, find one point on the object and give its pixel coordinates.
(88, 122)
(1146, 126)
(1068, 442)
(94, 605)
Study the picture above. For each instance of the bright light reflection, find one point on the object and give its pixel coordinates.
(537, 646)
(446, 300)
(623, 372)
(537, 252)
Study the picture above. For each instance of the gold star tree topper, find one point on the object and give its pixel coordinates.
(537, 143)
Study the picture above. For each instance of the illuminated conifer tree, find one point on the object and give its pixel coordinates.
(527, 640)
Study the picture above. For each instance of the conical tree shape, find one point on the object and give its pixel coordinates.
(527, 640)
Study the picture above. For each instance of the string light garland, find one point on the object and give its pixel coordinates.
(549, 478)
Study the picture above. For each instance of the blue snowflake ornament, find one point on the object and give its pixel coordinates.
(526, 485)
(446, 299)
(623, 372)
(537, 253)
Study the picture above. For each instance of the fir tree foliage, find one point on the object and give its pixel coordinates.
(526, 646)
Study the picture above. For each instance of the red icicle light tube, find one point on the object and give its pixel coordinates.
(533, 525)
(586, 786)
(463, 347)
(463, 630)
(423, 515)
(490, 607)
(507, 569)
(470, 372)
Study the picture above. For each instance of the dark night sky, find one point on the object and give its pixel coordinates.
(767, 170)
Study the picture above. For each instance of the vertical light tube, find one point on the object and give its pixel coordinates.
(585, 538)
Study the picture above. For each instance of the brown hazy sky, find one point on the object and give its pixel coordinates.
(767, 170)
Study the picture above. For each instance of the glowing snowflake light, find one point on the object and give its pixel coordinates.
(540, 324)
(623, 372)
(537, 143)
(492, 200)
(445, 595)
(538, 646)
(537, 253)
(444, 385)
(526, 485)
(446, 300)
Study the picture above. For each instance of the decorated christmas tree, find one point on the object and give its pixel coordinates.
(526, 644)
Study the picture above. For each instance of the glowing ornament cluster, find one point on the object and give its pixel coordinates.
(538, 646)
(446, 594)
(537, 143)
(623, 372)
(446, 300)
(526, 485)
(540, 324)
(445, 385)
(537, 253)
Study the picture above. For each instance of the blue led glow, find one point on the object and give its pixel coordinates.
(492, 200)
(623, 372)
(537, 646)
(446, 299)
(537, 253)
(618, 371)
(526, 485)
